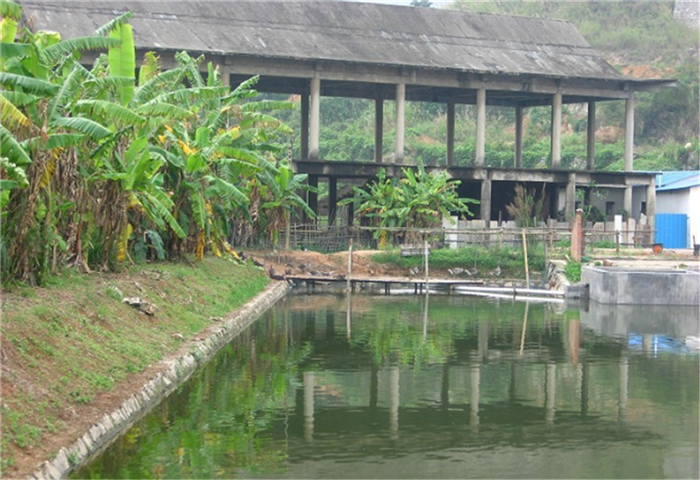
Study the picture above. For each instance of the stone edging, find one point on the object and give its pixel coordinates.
(177, 371)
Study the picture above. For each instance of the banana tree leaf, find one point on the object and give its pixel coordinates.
(122, 59)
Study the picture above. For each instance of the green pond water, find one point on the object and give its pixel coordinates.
(410, 386)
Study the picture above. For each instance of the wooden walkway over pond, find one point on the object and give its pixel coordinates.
(386, 282)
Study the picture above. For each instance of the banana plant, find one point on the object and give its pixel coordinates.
(37, 74)
(281, 200)
(212, 161)
(418, 200)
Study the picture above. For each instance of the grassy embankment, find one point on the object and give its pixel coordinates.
(67, 346)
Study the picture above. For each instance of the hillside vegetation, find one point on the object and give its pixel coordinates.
(641, 39)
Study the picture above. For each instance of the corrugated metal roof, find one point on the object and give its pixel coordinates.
(677, 180)
(344, 32)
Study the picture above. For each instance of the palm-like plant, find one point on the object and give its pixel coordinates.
(280, 199)
(39, 75)
(418, 200)
(213, 159)
(93, 161)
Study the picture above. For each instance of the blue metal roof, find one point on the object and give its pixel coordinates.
(666, 181)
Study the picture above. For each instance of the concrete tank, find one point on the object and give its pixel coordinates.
(629, 286)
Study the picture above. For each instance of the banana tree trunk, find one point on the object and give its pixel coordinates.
(287, 229)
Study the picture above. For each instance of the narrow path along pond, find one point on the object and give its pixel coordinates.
(329, 386)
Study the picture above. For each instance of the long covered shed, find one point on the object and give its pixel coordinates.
(394, 53)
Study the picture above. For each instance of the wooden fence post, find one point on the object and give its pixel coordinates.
(527, 267)
(348, 283)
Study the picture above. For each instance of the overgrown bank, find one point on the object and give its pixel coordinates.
(71, 351)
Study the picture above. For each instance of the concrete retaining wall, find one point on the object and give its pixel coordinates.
(177, 371)
(619, 286)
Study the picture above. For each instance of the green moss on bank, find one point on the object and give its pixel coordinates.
(64, 345)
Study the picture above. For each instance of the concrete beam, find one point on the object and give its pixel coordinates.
(368, 170)
(518, 137)
(480, 126)
(629, 134)
(590, 137)
(400, 121)
(556, 131)
(450, 134)
(378, 130)
(574, 87)
(315, 117)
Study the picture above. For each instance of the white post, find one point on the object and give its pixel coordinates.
(527, 267)
(624, 379)
(556, 130)
(475, 380)
(400, 121)
(518, 137)
(651, 208)
(394, 401)
(308, 406)
(347, 278)
(450, 134)
(550, 392)
(590, 137)
(627, 202)
(315, 120)
(427, 273)
(629, 134)
(379, 130)
(480, 126)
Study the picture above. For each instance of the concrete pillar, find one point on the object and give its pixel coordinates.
(225, 75)
(627, 201)
(556, 130)
(480, 127)
(304, 127)
(332, 200)
(394, 401)
(474, 381)
(351, 214)
(577, 237)
(518, 137)
(313, 196)
(425, 315)
(485, 206)
(585, 387)
(483, 338)
(647, 344)
(373, 386)
(450, 134)
(590, 137)
(378, 130)
(550, 392)
(629, 134)
(624, 381)
(570, 207)
(315, 118)
(400, 121)
(308, 406)
(348, 313)
(651, 209)
(445, 386)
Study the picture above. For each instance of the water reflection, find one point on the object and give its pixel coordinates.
(430, 386)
